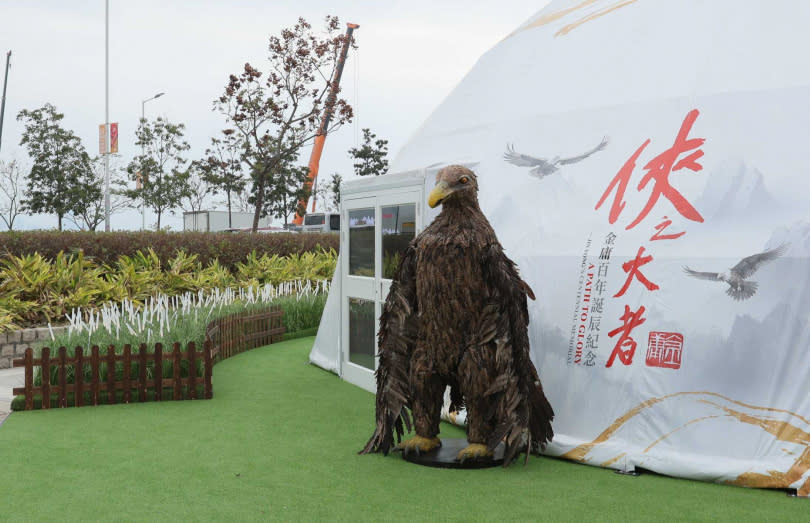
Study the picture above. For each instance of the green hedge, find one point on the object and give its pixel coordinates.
(104, 248)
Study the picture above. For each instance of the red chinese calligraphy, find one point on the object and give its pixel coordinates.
(622, 179)
(626, 346)
(658, 171)
(661, 227)
(632, 268)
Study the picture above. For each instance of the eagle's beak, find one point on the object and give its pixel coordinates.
(439, 193)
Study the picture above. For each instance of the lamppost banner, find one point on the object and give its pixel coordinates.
(102, 139)
(114, 137)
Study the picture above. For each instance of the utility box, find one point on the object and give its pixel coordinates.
(213, 221)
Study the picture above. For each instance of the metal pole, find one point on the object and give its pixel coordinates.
(107, 115)
(143, 171)
(143, 179)
(3, 104)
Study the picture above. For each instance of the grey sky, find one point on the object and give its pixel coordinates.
(411, 54)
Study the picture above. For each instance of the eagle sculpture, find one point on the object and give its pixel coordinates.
(457, 316)
(738, 287)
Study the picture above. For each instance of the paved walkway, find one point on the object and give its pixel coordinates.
(9, 378)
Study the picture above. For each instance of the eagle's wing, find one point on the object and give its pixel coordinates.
(749, 265)
(521, 405)
(574, 159)
(396, 340)
(523, 160)
(711, 276)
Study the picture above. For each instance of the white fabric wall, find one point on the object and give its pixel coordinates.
(735, 409)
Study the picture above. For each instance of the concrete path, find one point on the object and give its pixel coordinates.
(9, 378)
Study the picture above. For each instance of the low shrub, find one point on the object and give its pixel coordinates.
(35, 290)
(105, 247)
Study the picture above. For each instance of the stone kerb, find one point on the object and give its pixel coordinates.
(13, 344)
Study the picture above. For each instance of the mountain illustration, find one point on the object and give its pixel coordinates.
(736, 192)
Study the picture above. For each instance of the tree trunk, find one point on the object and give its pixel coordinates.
(230, 225)
(260, 181)
(60, 221)
(158, 222)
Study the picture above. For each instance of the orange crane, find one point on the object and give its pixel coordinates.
(320, 136)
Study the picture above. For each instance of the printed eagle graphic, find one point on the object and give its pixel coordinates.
(456, 316)
(738, 287)
(542, 167)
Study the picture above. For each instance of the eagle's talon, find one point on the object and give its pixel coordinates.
(419, 445)
(474, 451)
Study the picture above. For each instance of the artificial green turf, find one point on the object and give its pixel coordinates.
(280, 440)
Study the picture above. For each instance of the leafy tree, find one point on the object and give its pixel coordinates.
(90, 215)
(287, 190)
(371, 158)
(11, 179)
(61, 177)
(274, 115)
(222, 168)
(164, 175)
(334, 188)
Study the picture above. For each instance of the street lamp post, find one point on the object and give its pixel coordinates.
(3, 103)
(107, 116)
(143, 153)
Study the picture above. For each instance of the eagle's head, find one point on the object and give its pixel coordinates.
(454, 183)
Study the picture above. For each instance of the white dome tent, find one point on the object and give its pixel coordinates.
(652, 350)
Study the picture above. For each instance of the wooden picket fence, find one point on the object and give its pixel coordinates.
(133, 384)
(128, 371)
(237, 333)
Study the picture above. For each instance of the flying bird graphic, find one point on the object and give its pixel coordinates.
(542, 167)
(738, 287)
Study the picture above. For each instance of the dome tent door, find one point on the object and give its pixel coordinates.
(375, 232)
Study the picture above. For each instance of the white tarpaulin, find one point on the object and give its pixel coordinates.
(669, 260)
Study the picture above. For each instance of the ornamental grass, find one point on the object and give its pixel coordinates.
(36, 290)
(182, 319)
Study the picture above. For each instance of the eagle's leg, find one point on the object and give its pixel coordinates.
(427, 395)
(475, 370)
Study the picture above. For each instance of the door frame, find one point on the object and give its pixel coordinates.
(375, 288)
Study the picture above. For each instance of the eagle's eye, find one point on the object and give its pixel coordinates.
(463, 179)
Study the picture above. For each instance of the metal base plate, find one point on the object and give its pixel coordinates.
(445, 456)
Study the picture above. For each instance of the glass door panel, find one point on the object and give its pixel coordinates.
(398, 229)
(362, 241)
(362, 341)
(401, 220)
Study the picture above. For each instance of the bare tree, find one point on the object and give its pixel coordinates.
(328, 194)
(274, 115)
(11, 180)
(241, 201)
(198, 189)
